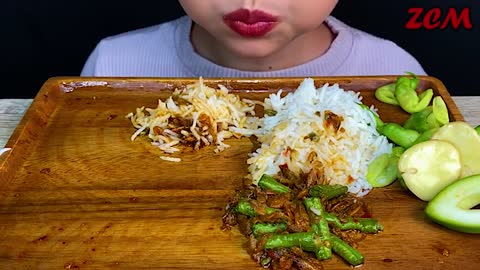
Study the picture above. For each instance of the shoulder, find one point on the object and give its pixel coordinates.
(378, 56)
(142, 36)
(136, 52)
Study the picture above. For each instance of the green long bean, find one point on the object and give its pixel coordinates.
(244, 207)
(366, 225)
(268, 182)
(327, 192)
(319, 225)
(308, 241)
(265, 228)
(347, 252)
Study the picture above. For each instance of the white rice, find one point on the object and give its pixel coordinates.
(171, 159)
(343, 156)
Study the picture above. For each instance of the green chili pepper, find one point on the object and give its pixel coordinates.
(270, 112)
(431, 117)
(425, 136)
(399, 135)
(312, 136)
(386, 94)
(268, 182)
(422, 121)
(407, 97)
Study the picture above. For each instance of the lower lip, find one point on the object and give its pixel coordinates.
(257, 29)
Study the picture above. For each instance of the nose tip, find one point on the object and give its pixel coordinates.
(249, 4)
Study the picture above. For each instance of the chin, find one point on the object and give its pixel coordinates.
(254, 48)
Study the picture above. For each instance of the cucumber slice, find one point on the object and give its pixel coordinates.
(383, 170)
(428, 167)
(466, 140)
(376, 167)
(452, 206)
(440, 110)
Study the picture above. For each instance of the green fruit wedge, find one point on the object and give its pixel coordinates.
(465, 138)
(428, 167)
(452, 207)
(440, 110)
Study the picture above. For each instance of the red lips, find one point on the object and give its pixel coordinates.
(248, 23)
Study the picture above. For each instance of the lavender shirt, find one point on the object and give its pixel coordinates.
(165, 50)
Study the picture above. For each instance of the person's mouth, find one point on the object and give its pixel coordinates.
(248, 23)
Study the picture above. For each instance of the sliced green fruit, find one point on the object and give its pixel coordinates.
(466, 140)
(383, 170)
(376, 167)
(428, 167)
(440, 110)
(452, 207)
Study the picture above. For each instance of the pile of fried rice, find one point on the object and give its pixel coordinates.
(322, 129)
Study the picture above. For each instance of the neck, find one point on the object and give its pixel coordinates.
(302, 49)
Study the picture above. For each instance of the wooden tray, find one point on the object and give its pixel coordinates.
(77, 193)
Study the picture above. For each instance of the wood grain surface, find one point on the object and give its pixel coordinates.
(76, 193)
